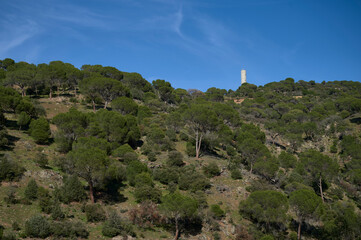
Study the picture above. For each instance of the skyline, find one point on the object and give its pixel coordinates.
(191, 44)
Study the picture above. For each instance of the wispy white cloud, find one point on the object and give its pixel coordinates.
(14, 33)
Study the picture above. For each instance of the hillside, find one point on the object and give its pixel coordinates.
(97, 153)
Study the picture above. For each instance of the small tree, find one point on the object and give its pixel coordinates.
(72, 190)
(178, 207)
(31, 191)
(319, 166)
(23, 120)
(37, 226)
(90, 164)
(268, 207)
(40, 130)
(305, 203)
(175, 159)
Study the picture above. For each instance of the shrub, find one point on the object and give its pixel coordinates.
(72, 190)
(23, 120)
(152, 157)
(41, 159)
(94, 213)
(10, 196)
(287, 160)
(190, 149)
(129, 157)
(125, 105)
(45, 201)
(56, 212)
(133, 169)
(31, 191)
(122, 150)
(10, 170)
(216, 211)
(40, 130)
(211, 169)
(69, 229)
(236, 173)
(37, 226)
(146, 192)
(175, 159)
(115, 226)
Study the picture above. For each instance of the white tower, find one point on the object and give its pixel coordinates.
(243, 76)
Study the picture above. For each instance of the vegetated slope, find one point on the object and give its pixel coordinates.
(98, 153)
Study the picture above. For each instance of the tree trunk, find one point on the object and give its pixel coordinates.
(51, 94)
(105, 104)
(299, 230)
(197, 152)
(74, 91)
(91, 190)
(93, 105)
(250, 171)
(176, 230)
(320, 185)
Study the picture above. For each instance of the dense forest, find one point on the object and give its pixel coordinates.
(98, 153)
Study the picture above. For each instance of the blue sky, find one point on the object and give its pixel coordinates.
(191, 43)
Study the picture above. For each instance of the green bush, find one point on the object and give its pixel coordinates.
(23, 120)
(217, 211)
(10, 170)
(146, 192)
(69, 229)
(122, 150)
(152, 157)
(40, 130)
(37, 226)
(72, 190)
(94, 213)
(115, 226)
(41, 159)
(236, 173)
(31, 191)
(56, 212)
(175, 159)
(190, 149)
(211, 169)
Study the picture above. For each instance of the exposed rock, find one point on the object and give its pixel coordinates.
(222, 188)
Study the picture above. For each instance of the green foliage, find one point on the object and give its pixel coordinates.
(190, 179)
(23, 120)
(146, 192)
(31, 190)
(266, 167)
(37, 226)
(89, 164)
(267, 237)
(167, 175)
(287, 160)
(10, 170)
(211, 169)
(175, 159)
(125, 106)
(236, 174)
(94, 213)
(115, 226)
(72, 190)
(217, 211)
(40, 130)
(341, 222)
(133, 169)
(69, 229)
(177, 205)
(122, 150)
(268, 207)
(56, 212)
(41, 159)
(304, 202)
